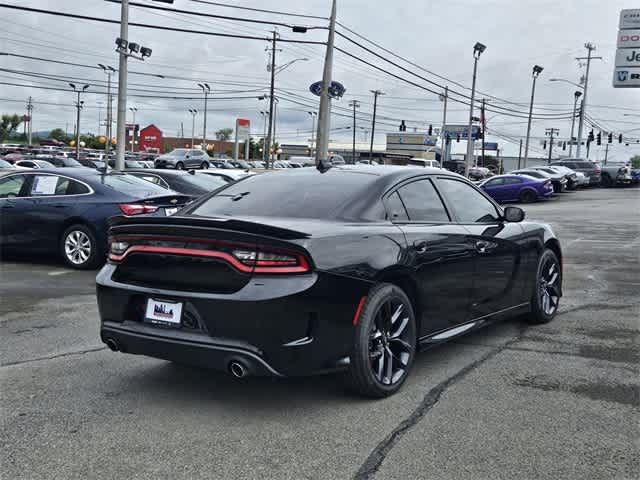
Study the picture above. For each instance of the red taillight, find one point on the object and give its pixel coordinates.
(130, 209)
(264, 261)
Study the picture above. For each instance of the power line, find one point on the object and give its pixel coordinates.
(260, 10)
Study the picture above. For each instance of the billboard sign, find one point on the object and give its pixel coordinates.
(626, 77)
(629, 38)
(630, 18)
(243, 128)
(454, 130)
(491, 146)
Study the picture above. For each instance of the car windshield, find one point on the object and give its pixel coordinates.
(300, 196)
(131, 185)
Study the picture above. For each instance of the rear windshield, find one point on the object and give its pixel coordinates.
(312, 195)
(130, 185)
(70, 162)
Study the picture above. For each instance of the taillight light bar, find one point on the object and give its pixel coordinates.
(259, 261)
(131, 209)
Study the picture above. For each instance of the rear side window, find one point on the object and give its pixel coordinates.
(495, 182)
(470, 205)
(395, 208)
(131, 185)
(422, 202)
(512, 181)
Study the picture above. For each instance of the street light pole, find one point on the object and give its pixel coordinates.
(108, 70)
(267, 145)
(477, 51)
(355, 104)
(445, 99)
(590, 48)
(537, 70)
(133, 135)
(313, 131)
(193, 113)
(324, 113)
(78, 108)
(376, 93)
(206, 90)
(122, 88)
(576, 95)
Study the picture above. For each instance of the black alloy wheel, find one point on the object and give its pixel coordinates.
(528, 196)
(385, 343)
(546, 297)
(179, 166)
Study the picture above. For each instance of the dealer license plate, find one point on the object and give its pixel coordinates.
(168, 313)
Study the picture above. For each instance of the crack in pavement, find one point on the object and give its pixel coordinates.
(53, 357)
(375, 459)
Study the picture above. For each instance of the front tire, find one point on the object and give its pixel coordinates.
(528, 197)
(79, 248)
(385, 343)
(547, 292)
(179, 166)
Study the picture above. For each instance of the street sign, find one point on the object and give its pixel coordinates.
(630, 18)
(454, 130)
(336, 90)
(626, 77)
(628, 57)
(491, 146)
(629, 38)
(243, 127)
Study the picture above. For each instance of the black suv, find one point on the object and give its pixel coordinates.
(590, 169)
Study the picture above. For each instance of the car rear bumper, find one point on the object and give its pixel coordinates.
(282, 326)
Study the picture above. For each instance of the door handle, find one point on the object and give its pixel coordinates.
(420, 247)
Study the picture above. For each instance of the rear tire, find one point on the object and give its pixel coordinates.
(79, 248)
(385, 343)
(179, 166)
(528, 196)
(546, 294)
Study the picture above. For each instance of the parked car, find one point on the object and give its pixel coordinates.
(63, 162)
(517, 188)
(582, 179)
(6, 165)
(67, 210)
(34, 164)
(421, 162)
(353, 269)
(557, 179)
(616, 173)
(479, 173)
(570, 175)
(240, 164)
(591, 170)
(228, 175)
(191, 183)
(182, 158)
(223, 164)
(87, 162)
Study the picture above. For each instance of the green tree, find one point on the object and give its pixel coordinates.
(635, 161)
(58, 134)
(8, 125)
(224, 134)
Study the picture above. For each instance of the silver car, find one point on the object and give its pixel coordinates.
(182, 158)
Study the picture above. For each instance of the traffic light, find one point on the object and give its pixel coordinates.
(458, 138)
(620, 138)
(544, 145)
(564, 145)
(403, 127)
(430, 130)
(599, 138)
(591, 137)
(610, 139)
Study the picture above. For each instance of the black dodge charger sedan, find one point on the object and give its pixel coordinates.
(303, 272)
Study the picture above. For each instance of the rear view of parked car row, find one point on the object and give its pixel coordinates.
(542, 182)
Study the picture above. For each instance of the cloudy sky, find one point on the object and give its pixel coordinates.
(436, 35)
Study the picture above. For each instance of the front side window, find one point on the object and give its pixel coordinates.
(512, 181)
(11, 186)
(494, 182)
(470, 205)
(422, 202)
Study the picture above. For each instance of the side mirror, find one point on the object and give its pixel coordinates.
(513, 214)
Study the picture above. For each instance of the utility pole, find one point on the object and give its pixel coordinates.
(313, 131)
(482, 120)
(444, 98)
(376, 93)
(29, 115)
(520, 154)
(550, 132)
(193, 113)
(355, 104)
(324, 113)
(576, 95)
(606, 153)
(590, 48)
(121, 134)
(108, 70)
(78, 108)
(537, 70)
(133, 135)
(206, 89)
(267, 146)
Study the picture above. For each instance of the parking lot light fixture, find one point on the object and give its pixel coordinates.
(478, 48)
(206, 90)
(537, 70)
(79, 105)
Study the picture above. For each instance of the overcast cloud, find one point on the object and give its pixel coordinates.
(436, 34)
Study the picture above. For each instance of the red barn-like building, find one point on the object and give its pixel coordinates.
(150, 139)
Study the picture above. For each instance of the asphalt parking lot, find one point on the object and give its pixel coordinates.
(555, 401)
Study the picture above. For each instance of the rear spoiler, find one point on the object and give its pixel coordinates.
(120, 224)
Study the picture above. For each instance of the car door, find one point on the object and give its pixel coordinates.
(12, 208)
(438, 253)
(495, 189)
(497, 282)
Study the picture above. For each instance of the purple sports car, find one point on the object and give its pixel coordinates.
(517, 188)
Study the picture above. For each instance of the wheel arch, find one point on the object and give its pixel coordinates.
(404, 280)
(554, 245)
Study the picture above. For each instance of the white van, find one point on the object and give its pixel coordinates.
(421, 162)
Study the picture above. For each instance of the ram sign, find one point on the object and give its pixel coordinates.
(626, 77)
(626, 73)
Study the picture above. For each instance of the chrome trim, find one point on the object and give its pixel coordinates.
(454, 331)
(299, 342)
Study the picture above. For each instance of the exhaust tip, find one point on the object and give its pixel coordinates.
(237, 369)
(112, 344)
